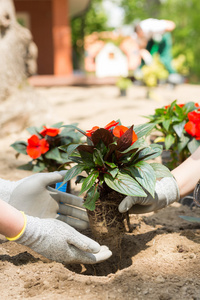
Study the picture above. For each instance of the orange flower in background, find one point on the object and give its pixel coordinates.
(36, 147)
(50, 131)
(180, 105)
(118, 131)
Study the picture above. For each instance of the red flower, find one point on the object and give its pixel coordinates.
(180, 105)
(190, 128)
(107, 127)
(111, 124)
(50, 131)
(194, 117)
(118, 131)
(90, 132)
(36, 147)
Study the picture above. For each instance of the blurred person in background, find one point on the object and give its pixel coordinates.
(155, 37)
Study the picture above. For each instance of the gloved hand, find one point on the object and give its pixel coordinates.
(60, 242)
(166, 192)
(34, 196)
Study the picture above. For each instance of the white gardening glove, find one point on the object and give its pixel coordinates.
(166, 192)
(34, 196)
(58, 241)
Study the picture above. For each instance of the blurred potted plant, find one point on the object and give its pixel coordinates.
(179, 125)
(43, 148)
(123, 83)
(115, 164)
(153, 74)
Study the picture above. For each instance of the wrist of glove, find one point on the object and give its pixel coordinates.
(36, 198)
(166, 192)
(58, 241)
(7, 187)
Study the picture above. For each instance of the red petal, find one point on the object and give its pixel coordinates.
(50, 131)
(33, 152)
(194, 116)
(44, 146)
(111, 124)
(118, 131)
(33, 140)
(197, 134)
(134, 137)
(90, 132)
(190, 128)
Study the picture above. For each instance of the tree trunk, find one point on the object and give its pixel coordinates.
(18, 52)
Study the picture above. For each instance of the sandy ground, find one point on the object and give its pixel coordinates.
(159, 259)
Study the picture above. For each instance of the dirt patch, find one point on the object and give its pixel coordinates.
(159, 260)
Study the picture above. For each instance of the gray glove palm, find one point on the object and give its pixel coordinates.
(166, 192)
(60, 242)
(34, 196)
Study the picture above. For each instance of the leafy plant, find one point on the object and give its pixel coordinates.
(179, 125)
(42, 147)
(115, 156)
(154, 72)
(123, 83)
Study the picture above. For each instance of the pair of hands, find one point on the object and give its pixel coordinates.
(39, 201)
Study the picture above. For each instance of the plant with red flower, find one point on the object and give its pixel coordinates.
(50, 131)
(115, 156)
(42, 147)
(36, 147)
(179, 128)
(115, 162)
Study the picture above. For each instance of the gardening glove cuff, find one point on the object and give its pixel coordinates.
(166, 192)
(60, 242)
(7, 187)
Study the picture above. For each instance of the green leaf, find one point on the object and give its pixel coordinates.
(87, 159)
(169, 141)
(57, 125)
(69, 149)
(190, 219)
(92, 197)
(74, 171)
(111, 165)
(145, 175)
(71, 126)
(98, 159)
(161, 170)
(150, 152)
(182, 143)
(143, 129)
(189, 106)
(20, 147)
(89, 181)
(39, 167)
(113, 172)
(178, 128)
(179, 111)
(27, 167)
(125, 184)
(193, 145)
(166, 124)
(53, 154)
(34, 130)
